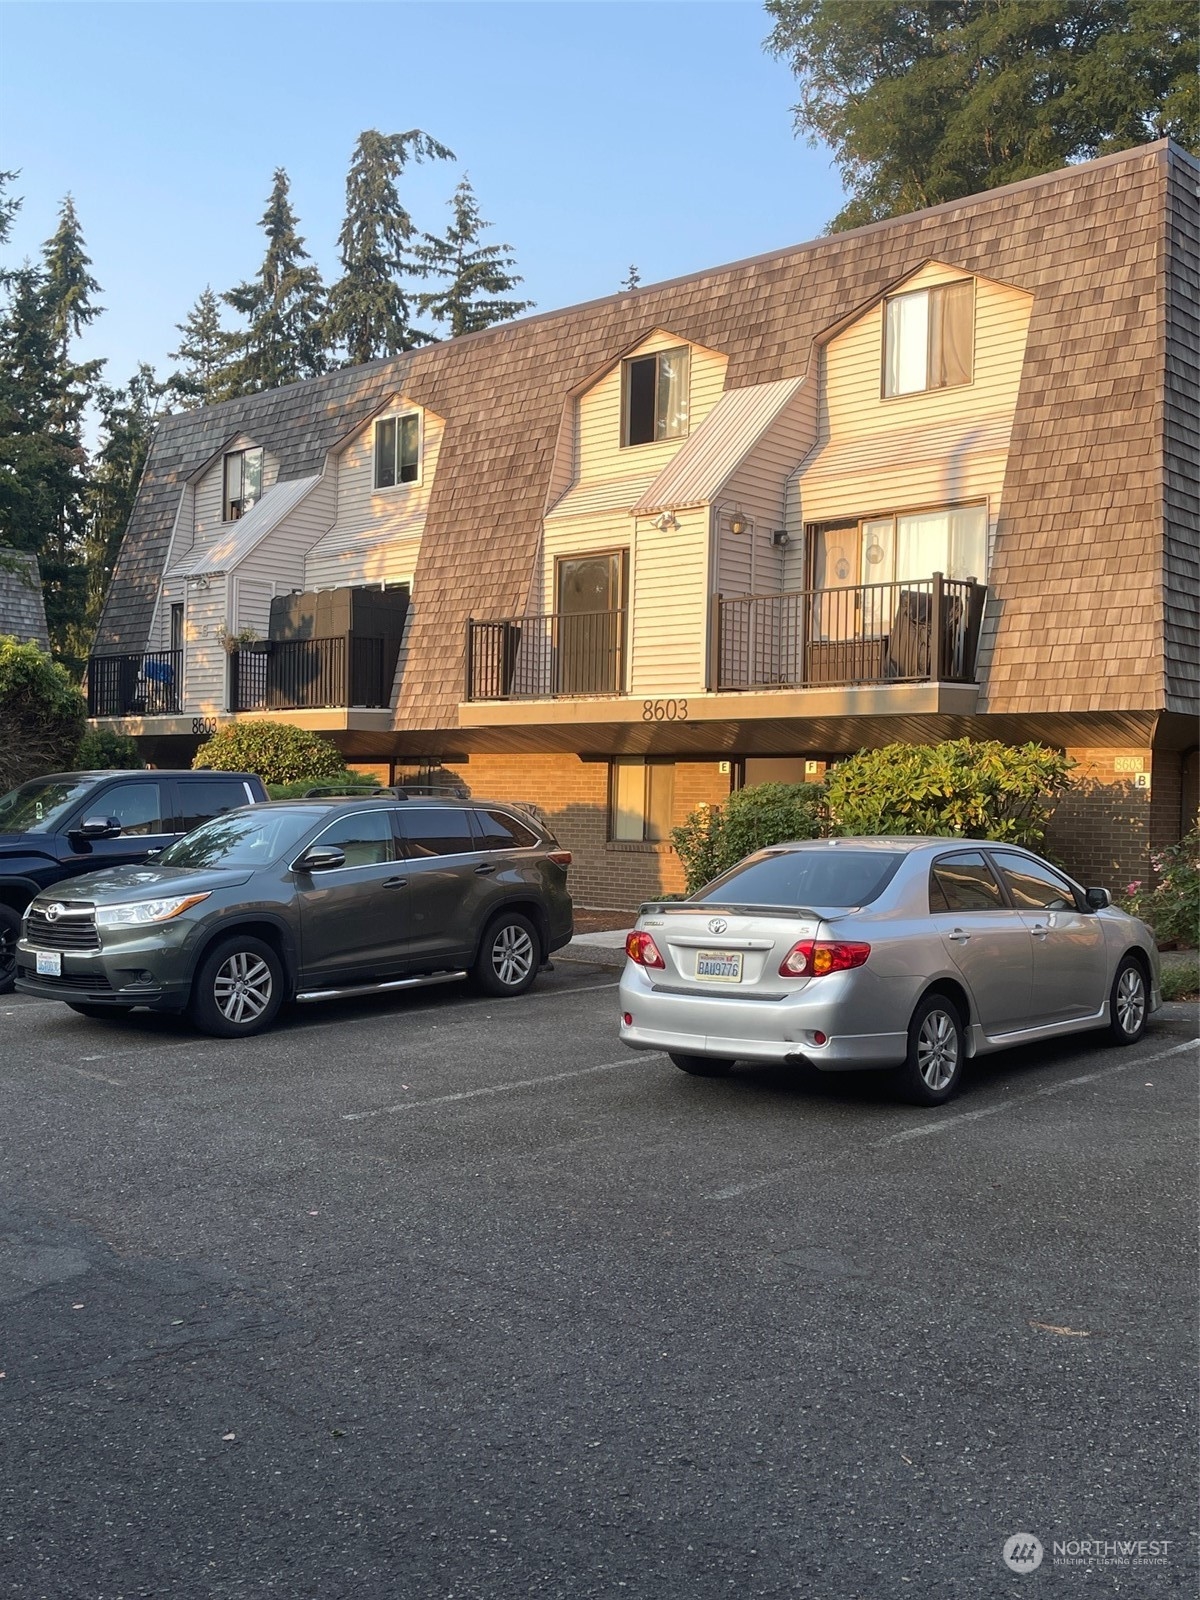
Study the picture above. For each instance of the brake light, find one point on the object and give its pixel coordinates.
(640, 947)
(813, 958)
(561, 858)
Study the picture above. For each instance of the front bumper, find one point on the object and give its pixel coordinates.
(762, 1030)
(141, 968)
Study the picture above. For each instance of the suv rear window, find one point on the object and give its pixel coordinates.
(503, 832)
(436, 833)
(801, 878)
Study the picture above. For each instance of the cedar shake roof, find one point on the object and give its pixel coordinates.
(1079, 562)
(22, 609)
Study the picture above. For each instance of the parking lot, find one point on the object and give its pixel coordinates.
(455, 1299)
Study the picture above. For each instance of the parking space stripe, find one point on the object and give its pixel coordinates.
(491, 1088)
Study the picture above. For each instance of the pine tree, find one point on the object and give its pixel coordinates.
(69, 285)
(205, 350)
(127, 421)
(8, 207)
(632, 278)
(475, 273)
(284, 305)
(369, 309)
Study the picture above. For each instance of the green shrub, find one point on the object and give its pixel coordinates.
(299, 787)
(715, 838)
(984, 790)
(1170, 904)
(101, 748)
(278, 752)
(42, 714)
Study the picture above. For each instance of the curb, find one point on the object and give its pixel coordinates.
(595, 955)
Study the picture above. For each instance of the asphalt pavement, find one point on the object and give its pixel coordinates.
(443, 1298)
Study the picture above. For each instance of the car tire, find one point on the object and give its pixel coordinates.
(100, 1013)
(510, 954)
(932, 1070)
(702, 1066)
(238, 989)
(10, 928)
(1128, 1002)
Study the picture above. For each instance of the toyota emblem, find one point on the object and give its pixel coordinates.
(53, 912)
(717, 925)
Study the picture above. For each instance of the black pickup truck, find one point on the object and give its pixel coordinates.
(72, 822)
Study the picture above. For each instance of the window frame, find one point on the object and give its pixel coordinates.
(1003, 902)
(813, 531)
(228, 500)
(647, 763)
(1076, 898)
(928, 289)
(399, 483)
(359, 866)
(472, 846)
(656, 356)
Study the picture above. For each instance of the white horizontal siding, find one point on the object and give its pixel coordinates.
(280, 557)
(750, 563)
(207, 522)
(599, 453)
(367, 516)
(669, 607)
(206, 665)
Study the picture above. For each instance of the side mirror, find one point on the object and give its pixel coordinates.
(1098, 899)
(320, 858)
(98, 828)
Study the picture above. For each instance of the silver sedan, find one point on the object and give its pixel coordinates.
(907, 953)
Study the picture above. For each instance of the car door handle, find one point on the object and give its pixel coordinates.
(1039, 930)
(394, 883)
(958, 936)
(484, 867)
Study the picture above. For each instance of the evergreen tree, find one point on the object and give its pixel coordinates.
(475, 274)
(632, 278)
(205, 350)
(284, 306)
(127, 421)
(69, 285)
(8, 207)
(369, 309)
(934, 99)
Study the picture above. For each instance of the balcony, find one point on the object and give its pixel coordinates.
(312, 674)
(560, 655)
(919, 631)
(144, 684)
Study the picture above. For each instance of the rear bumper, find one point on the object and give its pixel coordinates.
(756, 1030)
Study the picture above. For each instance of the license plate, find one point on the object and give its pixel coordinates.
(719, 966)
(49, 963)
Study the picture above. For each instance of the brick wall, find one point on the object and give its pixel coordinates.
(572, 795)
(1101, 829)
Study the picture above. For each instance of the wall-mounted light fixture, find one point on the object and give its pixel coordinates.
(780, 539)
(738, 523)
(201, 581)
(667, 520)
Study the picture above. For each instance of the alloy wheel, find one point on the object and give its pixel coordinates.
(513, 954)
(242, 987)
(937, 1050)
(1131, 1001)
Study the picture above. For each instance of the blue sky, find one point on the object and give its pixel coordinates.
(595, 134)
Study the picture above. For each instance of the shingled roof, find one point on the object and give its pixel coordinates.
(1080, 541)
(22, 609)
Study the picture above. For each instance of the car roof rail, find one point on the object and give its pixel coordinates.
(348, 791)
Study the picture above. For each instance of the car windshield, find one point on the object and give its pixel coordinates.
(253, 837)
(40, 806)
(799, 878)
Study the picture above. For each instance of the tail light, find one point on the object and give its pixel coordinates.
(640, 947)
(813, 958)
(560, 858)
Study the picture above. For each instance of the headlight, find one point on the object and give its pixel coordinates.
(136, 913)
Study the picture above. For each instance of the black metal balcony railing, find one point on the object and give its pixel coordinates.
(144, 684)
(560, 654)
(872, 633)
(308, 674)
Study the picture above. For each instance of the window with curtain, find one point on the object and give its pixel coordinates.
(642, 798)
(656, 397)
(243, 483)
(929, 339)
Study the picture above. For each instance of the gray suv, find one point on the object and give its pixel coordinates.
(305, 900)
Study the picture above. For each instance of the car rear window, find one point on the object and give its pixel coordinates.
(202, 798)
(805, 878)
(503, 832)
(436, 833)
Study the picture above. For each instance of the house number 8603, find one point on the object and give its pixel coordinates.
(664, 710)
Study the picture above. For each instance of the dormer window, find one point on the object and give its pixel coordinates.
(243, 483)
(656, 397)
(397, 450)
(929, 339)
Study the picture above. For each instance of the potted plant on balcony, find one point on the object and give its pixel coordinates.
(232, 642)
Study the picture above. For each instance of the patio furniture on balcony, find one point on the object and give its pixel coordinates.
(144, 683)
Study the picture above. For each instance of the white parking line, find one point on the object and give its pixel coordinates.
(491, 1088)
(947, 1124)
